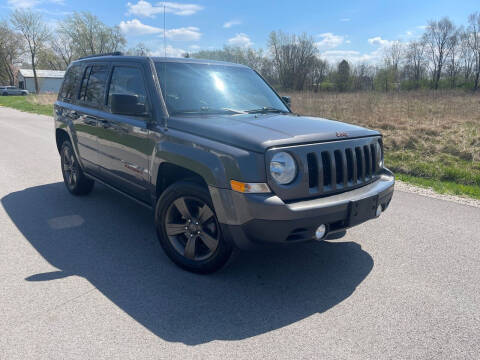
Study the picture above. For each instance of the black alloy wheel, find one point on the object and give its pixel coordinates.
(70, 167)
(188, 228)
(75, 181)
(192, 228)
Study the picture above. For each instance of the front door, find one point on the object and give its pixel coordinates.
(125, 142)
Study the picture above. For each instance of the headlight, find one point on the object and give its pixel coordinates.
(283, 168)
(379, 156)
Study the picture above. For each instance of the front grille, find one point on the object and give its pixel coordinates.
(340, 169)
(332, 167)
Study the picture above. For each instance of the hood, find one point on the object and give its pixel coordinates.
(261, 131)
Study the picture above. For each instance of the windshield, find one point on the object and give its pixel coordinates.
(202, 88)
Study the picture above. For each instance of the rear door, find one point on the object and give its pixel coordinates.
(65, 109)
(126, 144)
(90, 112)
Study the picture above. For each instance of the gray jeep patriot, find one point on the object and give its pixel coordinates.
(216, 153)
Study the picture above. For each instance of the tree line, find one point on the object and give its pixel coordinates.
(445, 56)
(26, 39)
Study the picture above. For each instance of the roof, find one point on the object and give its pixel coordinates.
(28, 73)
(120, 58)
(196, 61)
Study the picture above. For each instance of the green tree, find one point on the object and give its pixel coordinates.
(87, 35)
(385, 79)
(11, 51)
(293, 58)
(139, 50)
(342, 79)
(439, 38)
(30, 24)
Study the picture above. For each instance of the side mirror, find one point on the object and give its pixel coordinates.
(287, 100)
(123, 104)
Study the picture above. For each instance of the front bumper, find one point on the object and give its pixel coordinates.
(253, 220)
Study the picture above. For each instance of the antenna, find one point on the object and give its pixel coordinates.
(164, 31)
(164, 91)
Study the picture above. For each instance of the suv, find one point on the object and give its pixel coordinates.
(216, 153)
(12, 90)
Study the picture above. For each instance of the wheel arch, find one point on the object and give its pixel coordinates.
(60, 136)
(169, 173)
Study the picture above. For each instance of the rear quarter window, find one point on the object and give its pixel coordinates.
(72, 77)
(93, 86)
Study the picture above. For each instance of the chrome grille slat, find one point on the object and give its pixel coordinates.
(361, 162)
(354, 165)
(344, 168)
(373, 151)
(333, 171)
(368, 161)
(320, 174)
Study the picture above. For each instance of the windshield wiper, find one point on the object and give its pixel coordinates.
(235, 111)
(266, 109)
(206, 110)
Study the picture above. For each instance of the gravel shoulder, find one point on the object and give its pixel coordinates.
(405, 187)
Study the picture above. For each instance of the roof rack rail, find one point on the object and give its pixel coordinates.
(116, 53)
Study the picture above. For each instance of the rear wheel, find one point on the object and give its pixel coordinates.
(74, 178)
(188, 228)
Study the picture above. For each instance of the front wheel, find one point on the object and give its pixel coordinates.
(188, 228)
(74, 178)
(5, 94)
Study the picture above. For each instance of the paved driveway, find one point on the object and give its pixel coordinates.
(85, 278)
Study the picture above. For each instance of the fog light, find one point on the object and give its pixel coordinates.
(320, 232)
(379, 210)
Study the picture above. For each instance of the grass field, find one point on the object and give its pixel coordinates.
(431, 138)
(38, 104)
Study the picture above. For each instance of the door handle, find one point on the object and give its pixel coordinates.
(90, 120)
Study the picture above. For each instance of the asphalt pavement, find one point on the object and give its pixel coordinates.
(84, 277)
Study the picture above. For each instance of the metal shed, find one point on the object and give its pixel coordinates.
(48, 80)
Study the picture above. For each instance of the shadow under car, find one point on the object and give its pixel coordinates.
(111, 241)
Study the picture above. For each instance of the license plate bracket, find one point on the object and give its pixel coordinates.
(362, 210)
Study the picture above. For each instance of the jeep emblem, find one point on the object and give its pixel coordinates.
(342, 134)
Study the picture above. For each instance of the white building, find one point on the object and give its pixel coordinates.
(48, 80)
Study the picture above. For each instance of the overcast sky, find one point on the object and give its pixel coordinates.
(355, 30)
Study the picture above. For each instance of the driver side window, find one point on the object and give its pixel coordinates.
(128, 81)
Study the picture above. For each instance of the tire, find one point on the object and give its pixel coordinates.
(188, 229)
(73, 177)
(5, 94)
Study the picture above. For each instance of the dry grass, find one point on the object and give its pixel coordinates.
(434, 123)
(43, 99)
(428, 134)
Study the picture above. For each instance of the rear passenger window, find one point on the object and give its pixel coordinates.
(128, 81)
(94, 81)
(72, 77)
